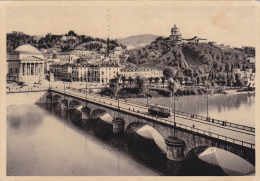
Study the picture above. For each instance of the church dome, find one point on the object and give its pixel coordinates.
(27, 49)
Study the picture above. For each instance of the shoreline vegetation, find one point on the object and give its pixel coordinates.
(164, 92)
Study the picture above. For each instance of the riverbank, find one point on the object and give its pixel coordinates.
(160, 92)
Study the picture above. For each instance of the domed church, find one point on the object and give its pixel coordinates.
(25, 64)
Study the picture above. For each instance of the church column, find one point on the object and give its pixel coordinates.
(29, 69)
(21, 69)
(42, 68)
(25, 69)
(34, 68)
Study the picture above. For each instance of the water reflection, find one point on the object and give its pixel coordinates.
(59, 148)
(17, 123)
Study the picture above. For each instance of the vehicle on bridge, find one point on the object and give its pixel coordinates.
(159, 110)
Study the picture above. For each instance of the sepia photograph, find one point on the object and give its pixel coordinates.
(129, 88)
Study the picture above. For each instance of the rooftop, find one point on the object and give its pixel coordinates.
(27, 49)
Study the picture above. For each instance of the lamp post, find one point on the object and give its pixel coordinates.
(64, 86)
(86, 87)
(174, 98)
(207, 103)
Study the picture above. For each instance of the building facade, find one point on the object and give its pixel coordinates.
(142, 72)
(25, 64)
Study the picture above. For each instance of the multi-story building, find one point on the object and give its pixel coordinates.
(99, 74)
(61, 70)
(108, 72)
(80, 73)
(82, 53)
(66, 57)
(142, 72)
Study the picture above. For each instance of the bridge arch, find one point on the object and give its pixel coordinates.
(195, 152)
(56, 98)
(146, 143)
(147, 132)
(48, 98)
(101, 114)
(74, 104)
(102, 122)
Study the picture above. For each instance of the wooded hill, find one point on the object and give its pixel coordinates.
(192, 59)
(55, 41)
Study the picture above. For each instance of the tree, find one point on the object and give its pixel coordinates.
(140, 84)
(156, 80)
(238, 80)
(169, 72)
(113, 88)
(163, 81)
(123, 80)
(150, 79)
(198, 80)
(172, 86)
(130, 80)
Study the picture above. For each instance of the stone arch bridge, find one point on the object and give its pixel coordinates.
(180, 140)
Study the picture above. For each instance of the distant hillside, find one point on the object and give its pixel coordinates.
(137, 40)
(49, 40)
(191, 59)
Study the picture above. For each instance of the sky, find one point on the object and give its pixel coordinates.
(228, 23)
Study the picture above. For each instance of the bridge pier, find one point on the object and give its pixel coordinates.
(85, 113)
(48, 99)
(118, 126)
(64, 105)
(175, 149)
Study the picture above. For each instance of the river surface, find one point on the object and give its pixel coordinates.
(235, 108)
(43, 140)
(41, 143)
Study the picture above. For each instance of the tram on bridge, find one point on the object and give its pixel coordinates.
(159, 110)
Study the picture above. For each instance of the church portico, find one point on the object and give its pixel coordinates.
(27, 69)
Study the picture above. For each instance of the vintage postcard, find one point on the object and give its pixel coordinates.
(161, 89)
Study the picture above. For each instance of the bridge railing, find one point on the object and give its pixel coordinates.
(216, 121)
(203, 118)
(159, 119)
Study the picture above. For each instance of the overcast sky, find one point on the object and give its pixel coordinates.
(229, 24)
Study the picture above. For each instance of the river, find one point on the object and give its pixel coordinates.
(235, 108)
(42, 140)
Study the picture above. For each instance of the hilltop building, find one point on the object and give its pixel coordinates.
(25, 64)
(175, 35)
